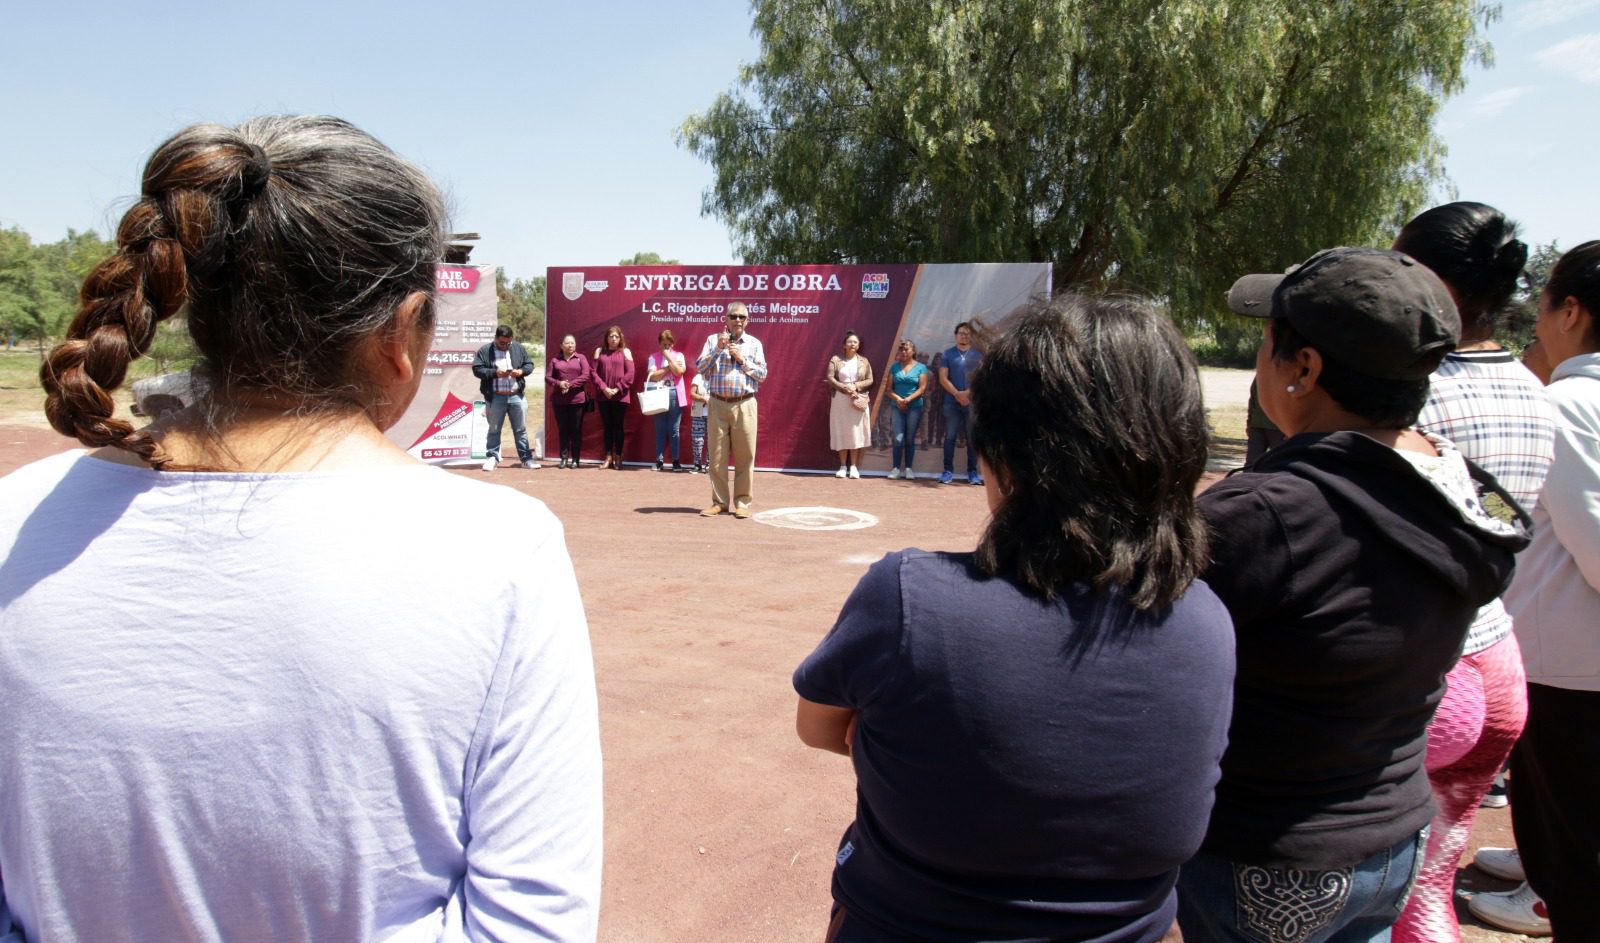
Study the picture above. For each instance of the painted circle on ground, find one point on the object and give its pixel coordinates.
(816, 518)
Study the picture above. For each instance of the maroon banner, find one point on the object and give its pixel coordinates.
(799, 313)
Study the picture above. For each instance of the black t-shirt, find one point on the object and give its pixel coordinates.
(1027, 770)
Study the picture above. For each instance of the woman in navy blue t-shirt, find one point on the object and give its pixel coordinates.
(1036, 726)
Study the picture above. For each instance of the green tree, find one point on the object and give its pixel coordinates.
(39, 283)
(520, 303)
(647, 258)
(1541, 259)
(1163, 146)
(1516, 327)
(27, 311)
(14, 283)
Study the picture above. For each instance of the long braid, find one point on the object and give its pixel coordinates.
(191, 192)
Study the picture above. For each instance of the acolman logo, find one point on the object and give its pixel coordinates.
(572, 285)
(596, 285)
(875, 285)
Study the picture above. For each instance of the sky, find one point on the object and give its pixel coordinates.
(552, 126)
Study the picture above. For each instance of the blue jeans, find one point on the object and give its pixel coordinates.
(905, 427)
(667, 429)
(498, 407)
(957, 420)
(1227, 902)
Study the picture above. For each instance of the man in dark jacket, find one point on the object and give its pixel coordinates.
(502, 368)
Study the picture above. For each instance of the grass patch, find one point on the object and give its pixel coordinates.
(22, 398)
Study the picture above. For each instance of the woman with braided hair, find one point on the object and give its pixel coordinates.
(240, 702)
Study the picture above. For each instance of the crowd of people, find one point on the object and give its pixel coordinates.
(574, 385)
(1262, 712)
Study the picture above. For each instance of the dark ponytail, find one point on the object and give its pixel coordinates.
(1474, 249)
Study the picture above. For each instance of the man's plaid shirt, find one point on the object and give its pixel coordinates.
(724, 377)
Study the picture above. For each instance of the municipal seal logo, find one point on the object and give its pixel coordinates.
(572, 285)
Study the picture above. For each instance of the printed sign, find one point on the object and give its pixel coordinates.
(800, 314)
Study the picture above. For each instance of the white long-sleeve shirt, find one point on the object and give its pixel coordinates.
(1554, 599)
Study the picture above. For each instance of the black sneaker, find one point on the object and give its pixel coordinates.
(677, 467)
(658, 464)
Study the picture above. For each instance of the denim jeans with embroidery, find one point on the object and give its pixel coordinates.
(1222, 901)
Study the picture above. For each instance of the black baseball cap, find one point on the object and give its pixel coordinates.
(1377, 312)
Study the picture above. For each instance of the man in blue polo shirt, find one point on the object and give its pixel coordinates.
(955, 375)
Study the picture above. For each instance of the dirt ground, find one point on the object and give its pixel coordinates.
(720, 825)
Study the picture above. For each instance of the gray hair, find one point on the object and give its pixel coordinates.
(290, 239)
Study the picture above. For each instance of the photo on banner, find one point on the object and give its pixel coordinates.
(800, 313)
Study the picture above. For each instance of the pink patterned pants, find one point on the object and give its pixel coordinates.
(1478, 721)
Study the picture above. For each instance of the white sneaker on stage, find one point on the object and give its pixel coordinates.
(842, 472)
(530, 464)
(489, 463)
(894, 473)
(911, 475)
(855, 472)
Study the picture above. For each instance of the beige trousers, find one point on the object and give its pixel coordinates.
(731, 426)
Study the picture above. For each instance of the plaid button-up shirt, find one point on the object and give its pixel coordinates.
(1493, 410)
(724, 376)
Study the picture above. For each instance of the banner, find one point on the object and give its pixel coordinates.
(800, 314)
(439, 425)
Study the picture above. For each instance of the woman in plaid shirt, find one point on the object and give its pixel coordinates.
(1497, 414)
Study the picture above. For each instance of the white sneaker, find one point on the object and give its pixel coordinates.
(894, 474)
(530, 464)
(489, 463)
(855, 472)
(1520, 911)
(1503, 863)
(842, 472)
(911, 475)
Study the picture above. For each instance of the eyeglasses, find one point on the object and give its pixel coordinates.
(738, 317)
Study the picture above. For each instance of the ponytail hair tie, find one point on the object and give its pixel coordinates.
(257, 168)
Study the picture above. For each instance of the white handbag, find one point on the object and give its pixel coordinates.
(653, 399)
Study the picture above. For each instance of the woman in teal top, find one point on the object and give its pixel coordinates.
(908, 383)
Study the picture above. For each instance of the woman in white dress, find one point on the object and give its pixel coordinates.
(849, 415)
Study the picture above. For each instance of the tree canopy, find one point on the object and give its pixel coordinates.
(1163, 146)
(520, 303)
(39, 283)
(647, 258)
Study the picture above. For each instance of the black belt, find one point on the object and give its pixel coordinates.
(733, 399)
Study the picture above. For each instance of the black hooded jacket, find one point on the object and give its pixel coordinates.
(1352, 581)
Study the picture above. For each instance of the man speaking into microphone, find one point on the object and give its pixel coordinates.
(734, 365)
